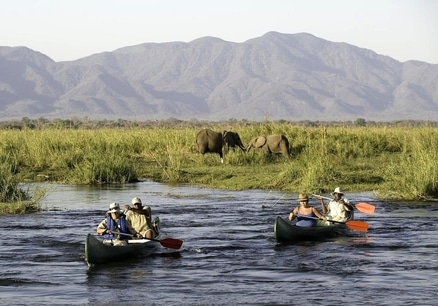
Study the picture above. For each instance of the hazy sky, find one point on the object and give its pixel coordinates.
(68, 30)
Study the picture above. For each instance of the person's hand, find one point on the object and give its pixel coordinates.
(138, 236)
(127, 207)
(107, 231)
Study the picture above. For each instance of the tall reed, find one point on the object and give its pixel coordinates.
(14, 196)
(414, 173)
(389, 160)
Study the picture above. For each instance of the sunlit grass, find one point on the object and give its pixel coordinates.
(394, 162)
(14, 197)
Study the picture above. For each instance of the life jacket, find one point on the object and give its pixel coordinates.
(119, 226)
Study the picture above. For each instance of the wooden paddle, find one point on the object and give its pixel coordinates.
(170, 243)
(354, 225)
(366, 208)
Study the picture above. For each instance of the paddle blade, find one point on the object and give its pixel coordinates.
(171, 243)
(365, 208)
(357, 225)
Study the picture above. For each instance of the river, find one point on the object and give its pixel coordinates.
(229, 256)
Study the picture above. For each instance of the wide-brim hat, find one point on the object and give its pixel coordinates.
(303, 197)
(338, 190)
(114, 208)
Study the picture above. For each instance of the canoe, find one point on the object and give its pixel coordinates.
(98, 250)
(285, 231)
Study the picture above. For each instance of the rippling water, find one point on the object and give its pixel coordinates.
(229, 256)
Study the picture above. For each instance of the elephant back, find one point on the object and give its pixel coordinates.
(209, 141)
(275, 143)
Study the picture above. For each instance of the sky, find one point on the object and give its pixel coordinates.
(68, 30)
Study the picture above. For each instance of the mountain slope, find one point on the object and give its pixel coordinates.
(275, 76)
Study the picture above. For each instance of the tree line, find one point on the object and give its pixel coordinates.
(87, 123)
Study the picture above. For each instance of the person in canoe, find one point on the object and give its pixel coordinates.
(115, 221)
(306, 215)
(139, 217)
(337, 209)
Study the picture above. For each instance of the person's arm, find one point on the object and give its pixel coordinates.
(323, 207)
(318, 214)
(292, 214)
(126, 208)
(102, 228)
(147, 211)
(347, 205)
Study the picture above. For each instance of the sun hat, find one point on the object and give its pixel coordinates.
(338, 190)
(114, 207)
(136, 201)
(302, 197)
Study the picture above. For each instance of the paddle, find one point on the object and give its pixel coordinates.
(170, 243)
(366, 208)
(354, 225)
(263, 206)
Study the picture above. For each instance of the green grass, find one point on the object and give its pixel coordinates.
(394, 162)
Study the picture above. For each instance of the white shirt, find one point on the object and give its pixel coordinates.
(337, 211)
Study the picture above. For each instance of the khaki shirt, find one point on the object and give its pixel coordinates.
(139, 221)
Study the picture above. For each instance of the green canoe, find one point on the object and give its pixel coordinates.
(98, 251)
(285, 231)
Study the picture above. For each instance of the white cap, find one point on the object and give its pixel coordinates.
(114, 207)
(136, 201)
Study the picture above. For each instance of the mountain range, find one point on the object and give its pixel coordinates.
(276, 76)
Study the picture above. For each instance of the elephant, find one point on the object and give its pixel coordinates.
(276, 143)
(232, 140)
(208, 141)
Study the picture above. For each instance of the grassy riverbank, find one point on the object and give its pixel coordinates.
(394, 162)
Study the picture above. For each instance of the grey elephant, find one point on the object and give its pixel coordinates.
(276, 143)
(209, 141)
(232, 140)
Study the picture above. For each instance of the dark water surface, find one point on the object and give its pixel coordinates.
(229, 256)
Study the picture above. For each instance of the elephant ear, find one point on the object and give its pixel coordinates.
(260, 141)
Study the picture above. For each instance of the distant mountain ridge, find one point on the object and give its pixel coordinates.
(275, 76)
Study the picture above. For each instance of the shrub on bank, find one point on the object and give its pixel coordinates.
(14, 198)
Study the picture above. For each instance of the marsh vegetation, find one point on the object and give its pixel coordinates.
(395, 162)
